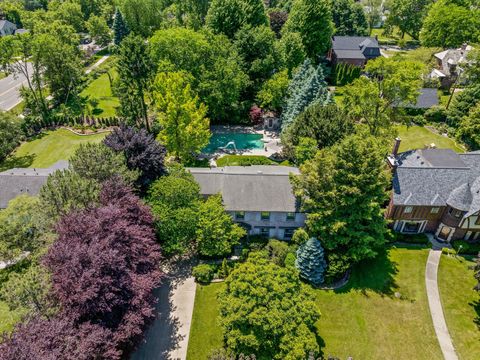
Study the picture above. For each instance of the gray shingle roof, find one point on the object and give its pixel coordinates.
(355, 47)
(436, 177)
(21, 181)
(249, 188)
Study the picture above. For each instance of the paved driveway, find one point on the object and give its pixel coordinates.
(167, 337)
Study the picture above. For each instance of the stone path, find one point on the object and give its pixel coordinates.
(167, 337)
(435, 305)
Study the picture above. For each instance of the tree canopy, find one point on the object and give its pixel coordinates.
(10, 134)
(349, 18)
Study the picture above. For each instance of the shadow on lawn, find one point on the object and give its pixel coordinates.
(17, 162)
(476, 307)
(376, 275)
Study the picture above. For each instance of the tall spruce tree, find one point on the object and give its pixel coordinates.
(311, 261)
(120, 29)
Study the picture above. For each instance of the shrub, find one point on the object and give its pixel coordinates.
(467, 247)
(244, 160)
(345, 73)
(278, 251)
(203, 273)
(447, 251)
(436, 114)
(412, 238)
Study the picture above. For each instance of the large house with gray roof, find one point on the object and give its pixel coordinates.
(19, 181)
(436, 191)
(353, 50)
(259, 198)
(7, 28)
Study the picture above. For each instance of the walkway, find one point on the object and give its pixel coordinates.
(435, 305)
(167, 337)
(97, 64)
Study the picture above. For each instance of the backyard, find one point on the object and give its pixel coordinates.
(417, 137)
(100, 90)
(382, 313)
(461, 305)
(48, 148)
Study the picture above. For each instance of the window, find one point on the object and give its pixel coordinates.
(411, 227)
(454, 212)
(265, 231)
(407, 210)
(240, 215)
(288, 233)
(265, 215)
(290, 216)
(435, 210)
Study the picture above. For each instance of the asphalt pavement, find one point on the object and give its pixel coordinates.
(10, 91)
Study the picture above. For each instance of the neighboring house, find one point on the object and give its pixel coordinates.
(436, 191)
(426, 99)
(259, 198)
(7, 28)
(21, 181)
(353, 50)
(449, 64)
(21, 31)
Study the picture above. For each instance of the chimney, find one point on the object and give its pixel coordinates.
(396, 146)
(464, 46)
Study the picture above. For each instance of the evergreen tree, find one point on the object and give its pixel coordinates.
(120, 29)
(311, 261)
(308, 86)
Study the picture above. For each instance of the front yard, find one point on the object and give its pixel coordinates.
(48, 148)
(382, 313)
(461, 305)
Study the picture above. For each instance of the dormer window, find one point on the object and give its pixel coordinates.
(408, 210)
(455, 213)
(435, 210)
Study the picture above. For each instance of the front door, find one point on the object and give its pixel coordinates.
(444, 233)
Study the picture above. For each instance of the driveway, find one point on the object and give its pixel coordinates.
(10, 90)
(167, 337)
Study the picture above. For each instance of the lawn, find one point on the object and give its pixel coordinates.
(49, 148)
(100, 90)
(364, 319)
(417, 137)
(461, 305)
(205, 333)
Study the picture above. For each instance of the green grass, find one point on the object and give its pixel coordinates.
(390, 39)
(49, 148)
(364, 319)
(417, 137)
(100, 89)
(244, 160)
(205, 333)
(461, 305)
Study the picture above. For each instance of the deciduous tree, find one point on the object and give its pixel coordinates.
(98, 29)
(349, 18)
(469, 128)
(10, 134)
(408, 15)
(272, 94)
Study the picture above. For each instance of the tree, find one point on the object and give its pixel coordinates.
(134, 72)
(311, 261)
(20, 228)
(185, 129)
(255, 45)
(325, 124)
(28, 293)
(305, 150)
(65, 191)
(69, 13)
(142, 152)
(391, 83)
(272, 94)
(216, 232)
(349, 175)
(476, 268)
(228, 16)
(312, 19)
(277, 18)
(99, 163)
(60, 339)
(469, 129)
(265, 310)
(213, 62)
(97, 27)
(142, 16)
(10, 134)
(105, 264)
(349, 18)
(450, 24)
(307, 87)
(462, 103)
(120, 29)
(174, 200)
(291, 51)
(408, 15)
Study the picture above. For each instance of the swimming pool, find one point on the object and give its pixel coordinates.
(242, 141)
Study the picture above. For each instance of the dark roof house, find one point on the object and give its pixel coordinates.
(427, 98)
(19, 181)
(7, 28)
(354, 50)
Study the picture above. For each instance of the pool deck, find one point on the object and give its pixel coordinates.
(271, 140)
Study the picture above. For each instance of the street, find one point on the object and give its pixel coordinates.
(10, 91)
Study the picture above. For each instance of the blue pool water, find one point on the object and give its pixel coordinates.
(242, 142)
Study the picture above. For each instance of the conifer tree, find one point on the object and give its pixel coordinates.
(311, 261)
(120, 29)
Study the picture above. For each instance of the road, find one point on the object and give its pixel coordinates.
(10, 91)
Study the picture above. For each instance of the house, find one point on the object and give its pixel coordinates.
(21, 181)
(449, 65)
(7, 28)
(21, 31)
(259, 198)
(353, 50)
(270, 121)
(426, 99)
(435, 191)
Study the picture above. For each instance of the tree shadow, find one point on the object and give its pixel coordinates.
(17, 162)
(476, 307)
(377, 275)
